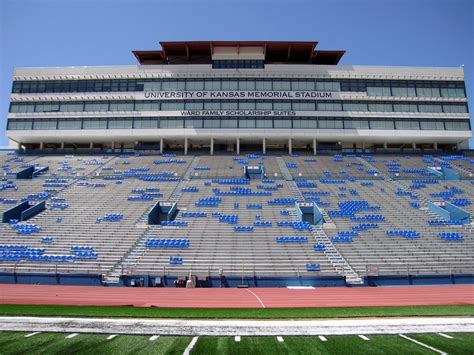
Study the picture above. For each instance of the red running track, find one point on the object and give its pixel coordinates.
(237, 298)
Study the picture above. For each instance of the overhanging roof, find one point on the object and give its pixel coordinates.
(275, 52)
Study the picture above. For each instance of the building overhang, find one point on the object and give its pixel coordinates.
(272, 52)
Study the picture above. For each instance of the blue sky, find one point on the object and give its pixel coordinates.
(103, 32)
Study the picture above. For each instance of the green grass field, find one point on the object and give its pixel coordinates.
(234, 313)
(56, 343)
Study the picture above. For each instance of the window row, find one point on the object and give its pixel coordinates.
(238, 64)
(241, 122)
(358, 106)
(395, 87)
(419, 91)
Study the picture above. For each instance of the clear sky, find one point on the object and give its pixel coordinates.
(103, 32)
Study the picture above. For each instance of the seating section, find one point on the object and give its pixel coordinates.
(96, 215)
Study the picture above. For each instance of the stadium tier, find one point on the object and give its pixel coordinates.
(237, 163)
(232, 227)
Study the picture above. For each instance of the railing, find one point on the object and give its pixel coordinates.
(419, 269)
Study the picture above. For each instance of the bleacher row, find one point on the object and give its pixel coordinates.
(97, 206)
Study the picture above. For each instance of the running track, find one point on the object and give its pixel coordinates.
(237, 298)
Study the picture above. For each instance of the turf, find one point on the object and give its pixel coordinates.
(235, 313)
(389, 344)
(56, 343)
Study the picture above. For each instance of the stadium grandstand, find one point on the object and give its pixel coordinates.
(225, 164)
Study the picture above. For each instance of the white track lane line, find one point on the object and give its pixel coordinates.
(154, 337)
(280, 339)
(322, 338)
(423, 344)
(190, 346)
(237, 338)
(445, 336)
(363, 337)
(31, 334)
(258, 298)
(110, 337)
(70, 336)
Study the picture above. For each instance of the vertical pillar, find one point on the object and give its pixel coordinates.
(435, 146)
(186, 146)
(91, 145)
(41, 145)
(113, 145)
(315, 149)
(264, 146)
(62, 145)
(161, 145)
(212, 145)
(238, 146)
(457, 146)
(290, 147)
(413, 145)
(385, 145)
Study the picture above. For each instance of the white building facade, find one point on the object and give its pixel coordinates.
(239, 96)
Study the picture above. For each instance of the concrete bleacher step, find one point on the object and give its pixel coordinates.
(189, 172)
(285, 172)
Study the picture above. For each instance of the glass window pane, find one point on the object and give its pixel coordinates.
(283, 85)
(211, 85)
(194, 85)
(268, 123)
(193, 105)
(94, 123)
(263, 85)
(304, 106)
(247, 85)
(212, 105)
(229, 105)
(230, 85)
(226, 123)
(432, 125)
(281, 123)
(261, 105)
(172, 106)
(69, 124)
(250, 105)
(282, 105)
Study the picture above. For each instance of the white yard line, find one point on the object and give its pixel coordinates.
(70, 336)
(237, 338)
(190, 346)
(363, 337)
(154, 337)
(32, 334)
(322, 338)
(423, 344)
(445, 336)
(258, 298)
(280, 339)
(110, 337)
(230, 327)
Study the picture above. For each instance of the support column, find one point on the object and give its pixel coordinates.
(62, 145)
(457, 146)
(91, 145)
(41, 145)
(315, 149)
(290, 146)
(186, 146)
(385, 145)
(113, 145)
(264, 145)
(413, 145)
(238, 146)
(435, 146)
(161, 145)
(212, 145)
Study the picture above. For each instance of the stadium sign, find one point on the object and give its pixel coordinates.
(207, 113)
(262, 95)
